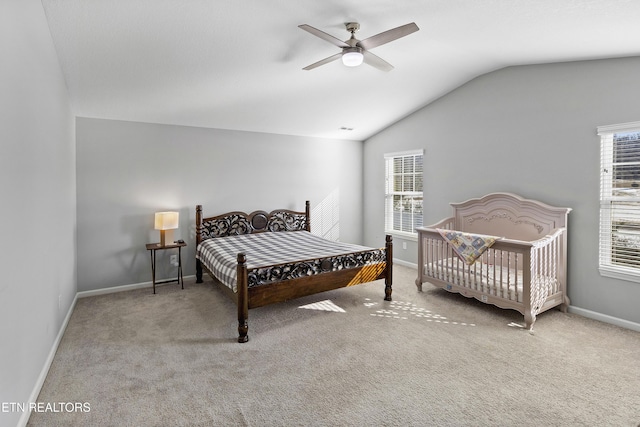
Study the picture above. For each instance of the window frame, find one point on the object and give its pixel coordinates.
(608, 202)
(389, 193)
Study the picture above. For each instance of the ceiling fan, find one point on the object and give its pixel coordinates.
(355, 51)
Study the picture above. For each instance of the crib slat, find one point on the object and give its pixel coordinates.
(501, 271)
(515, 267)
(428, 253)
(441, 251)
(434, 254)
(500, 291)
(487, 262)
(507, 272)
(460, 272)
(441, 258)
(434, 258)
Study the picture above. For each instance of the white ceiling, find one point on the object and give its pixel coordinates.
(237, 64)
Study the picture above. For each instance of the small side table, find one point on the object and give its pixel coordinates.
(152, 248)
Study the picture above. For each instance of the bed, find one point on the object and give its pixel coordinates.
(264, 258)
(501, 249)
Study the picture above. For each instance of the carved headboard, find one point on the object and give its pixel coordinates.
(234, 223)
(509, 215)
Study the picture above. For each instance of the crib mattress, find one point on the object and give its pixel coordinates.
(491, 279)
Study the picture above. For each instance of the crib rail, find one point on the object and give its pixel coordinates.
(545, 266)
(498, 272)
(510, 274)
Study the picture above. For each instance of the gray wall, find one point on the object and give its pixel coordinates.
(37, 190)
(530, 130)
(127, 171)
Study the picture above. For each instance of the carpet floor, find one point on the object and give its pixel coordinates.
(343, 357)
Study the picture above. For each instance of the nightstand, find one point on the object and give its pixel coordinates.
(152, 248)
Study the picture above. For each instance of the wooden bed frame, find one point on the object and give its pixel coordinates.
(281, 220)
(532, 244)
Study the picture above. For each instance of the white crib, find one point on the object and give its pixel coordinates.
(524, 270)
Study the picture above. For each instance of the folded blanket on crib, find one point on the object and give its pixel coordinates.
(468, 246)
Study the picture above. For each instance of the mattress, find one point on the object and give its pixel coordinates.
(491, 279)
(297, 253)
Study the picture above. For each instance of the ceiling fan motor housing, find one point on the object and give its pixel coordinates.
(352, 27)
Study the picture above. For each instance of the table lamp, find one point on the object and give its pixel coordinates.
(166, 222)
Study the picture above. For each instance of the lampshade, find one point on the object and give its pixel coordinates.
(352, 57)
(166, 222)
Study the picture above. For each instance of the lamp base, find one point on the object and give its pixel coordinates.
(166, 237)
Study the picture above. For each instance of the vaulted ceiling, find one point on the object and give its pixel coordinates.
(237, 64)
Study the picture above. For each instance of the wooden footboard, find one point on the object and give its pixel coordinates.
(285, 290)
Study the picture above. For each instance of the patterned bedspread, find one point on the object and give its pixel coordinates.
(296, 253)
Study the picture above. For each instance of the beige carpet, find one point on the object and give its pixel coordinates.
(425, 359)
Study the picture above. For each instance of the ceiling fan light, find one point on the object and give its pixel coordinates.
(352, 57)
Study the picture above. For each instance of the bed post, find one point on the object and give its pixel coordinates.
(388, 275)
(198, 240)
(243, 299)
(307, 213)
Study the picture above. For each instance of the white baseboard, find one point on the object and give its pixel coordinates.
(125, 288)
(605, 318)
(24, 419)
(405, 263)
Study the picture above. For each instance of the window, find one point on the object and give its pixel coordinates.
(620, 201)
(403, 192)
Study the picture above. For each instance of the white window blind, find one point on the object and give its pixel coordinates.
(620, 201)
(403, 192)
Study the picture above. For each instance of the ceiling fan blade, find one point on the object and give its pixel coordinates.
(376, 61)
(323, 61)
(388, 36)
(324, 36)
